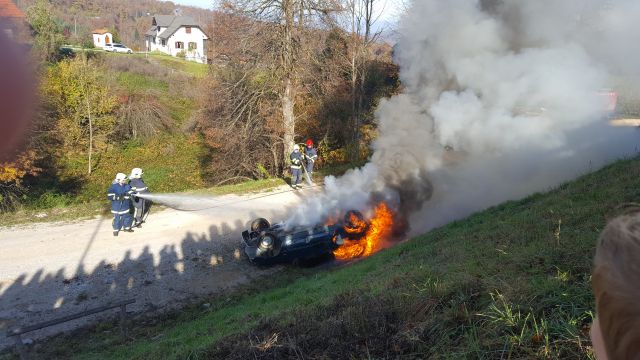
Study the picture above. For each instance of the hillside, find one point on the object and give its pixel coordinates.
(155, 97)
(512, 282)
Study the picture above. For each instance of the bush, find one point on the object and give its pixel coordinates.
(141, 116)
(50, 200)
(88, 44)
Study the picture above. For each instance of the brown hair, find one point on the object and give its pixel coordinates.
(616, 284)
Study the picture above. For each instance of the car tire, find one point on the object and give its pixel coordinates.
(354, 223)
(259, 225)
(129, 52)
(270, 244)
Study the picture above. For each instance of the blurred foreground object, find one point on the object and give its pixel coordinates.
(16, 87)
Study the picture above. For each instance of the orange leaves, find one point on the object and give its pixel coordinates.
(15, 171)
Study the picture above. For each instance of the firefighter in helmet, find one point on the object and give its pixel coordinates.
(311, 156)
(140, 205)
(296, 167)
(119, 195)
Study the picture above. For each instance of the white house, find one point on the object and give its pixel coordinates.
(102, 37)
(177, 36)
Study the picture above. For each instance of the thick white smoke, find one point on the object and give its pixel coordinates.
(501, 100)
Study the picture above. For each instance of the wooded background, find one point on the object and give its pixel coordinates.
(281, 72)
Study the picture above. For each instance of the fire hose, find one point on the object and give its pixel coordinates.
(150, 197)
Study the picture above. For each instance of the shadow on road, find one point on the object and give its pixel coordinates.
(202, 265)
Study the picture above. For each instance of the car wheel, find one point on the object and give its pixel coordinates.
(269, 244)
(259, 225)
(129, 52)
(354, 223)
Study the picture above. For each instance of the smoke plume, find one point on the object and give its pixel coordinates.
(501, 99)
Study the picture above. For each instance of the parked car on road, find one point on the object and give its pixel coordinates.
(119, 48)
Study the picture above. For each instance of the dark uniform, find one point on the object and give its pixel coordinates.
(119, 195)
(312, 155)
(140, 205)
(296, 168)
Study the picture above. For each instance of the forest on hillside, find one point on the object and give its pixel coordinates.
(283, 75)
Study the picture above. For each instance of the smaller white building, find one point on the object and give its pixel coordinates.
(101, 37)
(178, 36)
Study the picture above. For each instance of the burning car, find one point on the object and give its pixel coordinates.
(352, 236)
(266, 244)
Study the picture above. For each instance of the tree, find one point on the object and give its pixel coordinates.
(240, 123)
(289, 17)
(361, 19)
(82, 103)
(47, 33)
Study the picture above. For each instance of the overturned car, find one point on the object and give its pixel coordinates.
(268, 244)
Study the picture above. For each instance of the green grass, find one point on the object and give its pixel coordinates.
(138, 82)
(509, 282)
(180, 109)
(244, 187)
(63, 210)
(190, 67)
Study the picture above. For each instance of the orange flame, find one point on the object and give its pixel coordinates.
(380, 228)
(356, 224)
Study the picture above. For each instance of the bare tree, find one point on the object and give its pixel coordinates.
(240, 125)
(290, 18)
(362, 18)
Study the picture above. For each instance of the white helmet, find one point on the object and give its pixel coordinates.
(136, 173)
(121, 176)
(296, 147)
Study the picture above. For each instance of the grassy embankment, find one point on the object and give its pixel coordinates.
(509, 282)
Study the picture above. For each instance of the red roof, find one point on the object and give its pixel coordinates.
(10, 10)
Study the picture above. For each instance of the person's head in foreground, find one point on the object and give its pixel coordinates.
(615, 332)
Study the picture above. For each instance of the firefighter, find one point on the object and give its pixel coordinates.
(140, 205)
(119, 194)
(296, 167)
(311, 156)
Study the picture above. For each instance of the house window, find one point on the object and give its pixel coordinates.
(188, 29)
(164, 42)
(158, 29)
(179, 45)
(193, 46)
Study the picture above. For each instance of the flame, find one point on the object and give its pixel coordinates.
(380, 228)
(356, 224)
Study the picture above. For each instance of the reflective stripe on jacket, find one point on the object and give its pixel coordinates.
(138, 185)
(296, 160)
(119, 197)
(311, 153)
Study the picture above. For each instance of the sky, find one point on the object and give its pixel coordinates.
(390, 8)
